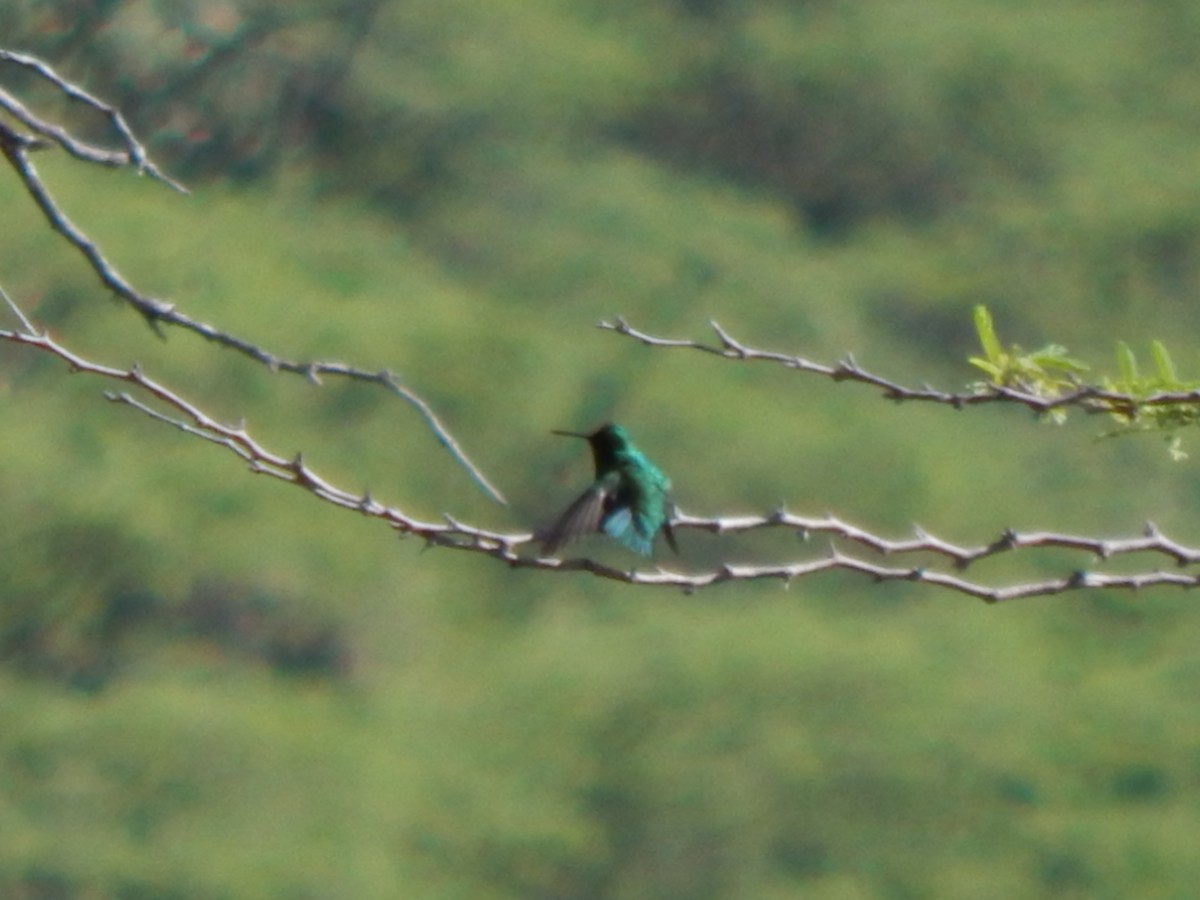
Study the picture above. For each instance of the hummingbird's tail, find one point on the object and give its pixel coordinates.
(668, 531)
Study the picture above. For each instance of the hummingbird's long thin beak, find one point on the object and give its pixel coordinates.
(569, 434)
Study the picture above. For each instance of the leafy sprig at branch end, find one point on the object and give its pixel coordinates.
(1158, 401)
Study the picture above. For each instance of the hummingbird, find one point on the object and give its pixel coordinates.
(627, 501)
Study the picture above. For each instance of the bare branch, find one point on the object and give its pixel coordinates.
(1089, 398)
(1152, 541)
(16, 148)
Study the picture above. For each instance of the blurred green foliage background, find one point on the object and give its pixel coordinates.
(212, 686)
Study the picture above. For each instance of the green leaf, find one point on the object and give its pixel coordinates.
(1162, 361)
(987, 334)
(1056, 355)
(1126, 365)
(993, 371)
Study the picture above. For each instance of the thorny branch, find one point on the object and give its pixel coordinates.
(16, 148)
(518, 550)
(134, 153)
(1090, 398)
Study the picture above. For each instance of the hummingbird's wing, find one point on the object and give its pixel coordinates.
(603, 508)
(581, 518)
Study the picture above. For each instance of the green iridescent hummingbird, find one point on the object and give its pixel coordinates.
(627, 501)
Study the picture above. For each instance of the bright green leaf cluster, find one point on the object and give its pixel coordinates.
(1049, 372)
(1153, 417)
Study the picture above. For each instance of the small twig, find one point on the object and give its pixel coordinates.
(134, 153)
(1090, 398)
(18, 312)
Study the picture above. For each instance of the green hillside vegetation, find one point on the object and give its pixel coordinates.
(213, 686)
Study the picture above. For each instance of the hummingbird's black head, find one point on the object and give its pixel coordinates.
(608, 437)
(605, 442)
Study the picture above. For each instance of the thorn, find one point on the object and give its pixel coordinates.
(727, 341)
